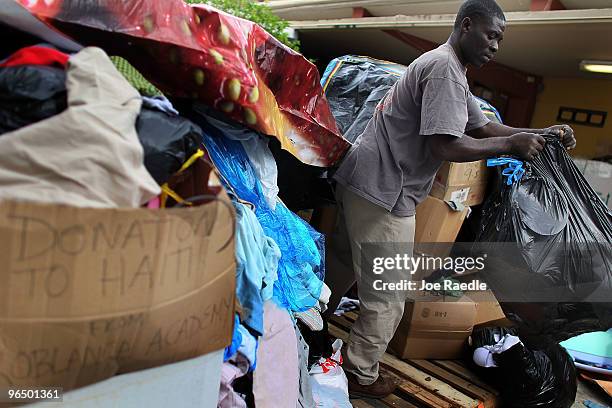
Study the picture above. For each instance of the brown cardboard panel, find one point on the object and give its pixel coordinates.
(89, 293)
(488, 310)
(434, 328)
(453, 174)
(437, 222)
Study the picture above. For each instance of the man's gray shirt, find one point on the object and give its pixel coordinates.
(391, 163)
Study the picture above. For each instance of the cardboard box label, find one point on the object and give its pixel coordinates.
(473, 194)
(460, 195)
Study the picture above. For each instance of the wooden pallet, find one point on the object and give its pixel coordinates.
(424, 383)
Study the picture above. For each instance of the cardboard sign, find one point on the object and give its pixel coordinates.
(89, 293)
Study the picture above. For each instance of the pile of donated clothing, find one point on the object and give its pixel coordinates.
(84, 127)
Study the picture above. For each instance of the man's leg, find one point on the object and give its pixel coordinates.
(380, 312)
(339, 275)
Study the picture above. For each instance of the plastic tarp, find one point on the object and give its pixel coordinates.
(354, 85)
(548, 234)
(301, 267)
(226, 62)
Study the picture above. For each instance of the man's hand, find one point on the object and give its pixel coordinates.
(526, 145)
(565, 133)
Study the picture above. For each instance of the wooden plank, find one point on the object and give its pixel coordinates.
(586, 392)
(416, 392)
(454, 367)
(366, 403)
(447, 396)
(397, 402)
(429, 382)
(413, 392)
(468, 388)
(452, 372)
(352, 316)
(463, 372)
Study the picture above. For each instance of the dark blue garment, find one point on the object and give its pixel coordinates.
(302, 263)
(236, 340)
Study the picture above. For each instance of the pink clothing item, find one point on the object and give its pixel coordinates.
(154, 203)
(230, 371)
(276, 379)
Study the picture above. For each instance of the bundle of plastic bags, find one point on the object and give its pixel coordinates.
(354, 85)
(527, 377)
(547, 235)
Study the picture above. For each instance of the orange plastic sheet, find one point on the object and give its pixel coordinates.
(199, 52)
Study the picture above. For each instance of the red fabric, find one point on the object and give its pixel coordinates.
(36, 55)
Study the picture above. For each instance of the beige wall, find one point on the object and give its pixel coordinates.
(595, 94)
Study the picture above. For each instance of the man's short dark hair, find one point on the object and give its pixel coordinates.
(483, 9)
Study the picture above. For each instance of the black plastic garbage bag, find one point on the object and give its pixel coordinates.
(168, 142)
(355, 84)
(30, 93)
(526, 377)
(548, 235)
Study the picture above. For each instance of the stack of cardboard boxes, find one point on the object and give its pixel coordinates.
(461, 182)
(435, 326)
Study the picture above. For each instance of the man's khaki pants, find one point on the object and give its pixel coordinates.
(359, 222)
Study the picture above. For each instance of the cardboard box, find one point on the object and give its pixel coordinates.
(467, 194)
(461, 182)
(457, 174)
(90, 293)
(488, 310)
(434, 327)
(599, 176)
(436, 221)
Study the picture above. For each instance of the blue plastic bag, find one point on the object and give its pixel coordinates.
(301, 268)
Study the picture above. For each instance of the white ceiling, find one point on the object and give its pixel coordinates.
(546, 44)
(330, 9)
(586, 4)
(544, 50)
